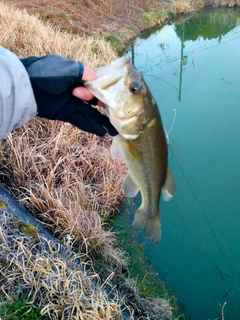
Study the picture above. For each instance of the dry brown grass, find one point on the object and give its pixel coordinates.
(222, 3)
(186, 6)
(64, 176)
(66, 285)
(27, 35)
(91, 16)
(63, 288)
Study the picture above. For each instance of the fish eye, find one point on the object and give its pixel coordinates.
(134, 88)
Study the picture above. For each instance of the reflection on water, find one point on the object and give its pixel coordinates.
(192, 67)
(208, 25)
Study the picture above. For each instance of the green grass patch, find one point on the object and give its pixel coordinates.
(115, 42)
(171, 14)
(152, 18)
(146, 19)
(64, 15)
(21, 309)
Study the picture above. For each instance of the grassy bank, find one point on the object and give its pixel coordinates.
(67, 177)
(113, 20)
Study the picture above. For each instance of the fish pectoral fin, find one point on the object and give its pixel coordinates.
(129, 187)
(114, 149)
(169, 187)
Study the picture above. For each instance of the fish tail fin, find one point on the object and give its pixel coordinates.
(150, 226)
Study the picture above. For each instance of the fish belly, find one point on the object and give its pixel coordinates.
(146, 160)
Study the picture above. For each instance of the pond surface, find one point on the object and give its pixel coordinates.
(192, 67)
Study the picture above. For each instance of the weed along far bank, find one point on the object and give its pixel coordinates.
(115, 21)
(67, 179)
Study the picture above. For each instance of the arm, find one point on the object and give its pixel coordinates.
(17, 102)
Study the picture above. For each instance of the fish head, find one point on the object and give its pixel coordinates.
(127, 98)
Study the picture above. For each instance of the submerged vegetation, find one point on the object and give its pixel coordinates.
(67, 178)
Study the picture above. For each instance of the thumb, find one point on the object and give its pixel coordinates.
(82, 93)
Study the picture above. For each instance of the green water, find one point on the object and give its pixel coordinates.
(192, 67)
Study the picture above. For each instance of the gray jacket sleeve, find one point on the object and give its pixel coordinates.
(17, 102)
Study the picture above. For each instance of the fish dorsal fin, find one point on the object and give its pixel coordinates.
(129, 187)
(169, 187)
(114, 149)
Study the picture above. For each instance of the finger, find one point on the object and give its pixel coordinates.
(88, 74)
(82, 93)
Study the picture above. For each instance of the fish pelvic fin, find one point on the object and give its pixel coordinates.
(150, 226)
(169, 187)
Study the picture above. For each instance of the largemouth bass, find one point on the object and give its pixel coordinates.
(141, 140)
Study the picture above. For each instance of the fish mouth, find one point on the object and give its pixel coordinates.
(124, 124)
(113, 67)
(123, 119)
(107, 78)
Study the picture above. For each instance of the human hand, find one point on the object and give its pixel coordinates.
(82, 92)
(57, 84)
